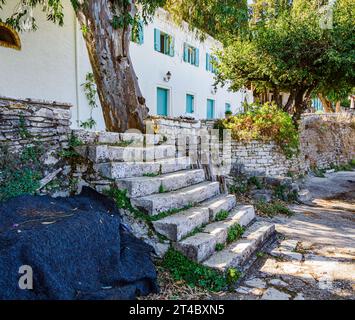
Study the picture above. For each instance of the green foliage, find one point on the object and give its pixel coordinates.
(265, 123)
(220, 246)
(19, 173)
(273, 208)
(352, 163)
(234, 232)
(23, 131)
(281, 192)
(255, 181)
(233, 275)
(222, 215)
(91, 96)
(121, 199)
(161, 189)
(239, 186)
(69, 152)
(320, 173)
(286, 49)
(194, 274)
(151, 175)
(342, 167)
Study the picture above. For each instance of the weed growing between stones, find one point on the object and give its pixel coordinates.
(273, 208)
(222, 215)
(20, 173)
(220, 246)
(234, 233)
(69, 152)
(194, 274)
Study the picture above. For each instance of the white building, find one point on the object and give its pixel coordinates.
(172, 66)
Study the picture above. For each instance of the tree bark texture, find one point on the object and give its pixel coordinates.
(122, 102)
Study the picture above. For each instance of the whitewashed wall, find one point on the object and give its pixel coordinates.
(53, 63)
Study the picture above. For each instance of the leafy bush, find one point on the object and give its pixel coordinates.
(263, 123)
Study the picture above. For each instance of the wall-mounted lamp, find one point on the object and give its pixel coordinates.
(214, 90)
(167, 77)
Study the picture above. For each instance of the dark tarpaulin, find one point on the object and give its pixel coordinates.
(77, 249)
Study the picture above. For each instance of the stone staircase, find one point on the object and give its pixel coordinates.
(163, 184)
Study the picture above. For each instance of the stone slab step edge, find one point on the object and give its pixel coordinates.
(144, 186)
(177, 226)
(157, 203)
(238, 252)
(120, 170)
(202, 245)
(106, 153)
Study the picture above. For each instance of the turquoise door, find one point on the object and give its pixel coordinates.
(210, 109)
(162, 101)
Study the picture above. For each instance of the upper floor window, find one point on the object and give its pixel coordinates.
(163, 43)
(190, 103)
(191, 55)
(211, 63)
(228, 107)
(9, 37)
(138, 32)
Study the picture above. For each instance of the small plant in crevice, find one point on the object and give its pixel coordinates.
(234, 232)
(220, 246)
(221, 215)
(319, 173)
(162, 189)
(20, 173)
(193, 274)
(273, 208)
(69, 152)
(22, 129)
(232, 276)
(151, 175)
(255, 181)
(90, 91)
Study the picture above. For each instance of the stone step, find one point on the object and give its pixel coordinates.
(223, 202)
(202, 245)
(237, 253)
(177, 226)
(162, 202)
(136, 139)
(121, 170)
(106, 153)
(144, 186)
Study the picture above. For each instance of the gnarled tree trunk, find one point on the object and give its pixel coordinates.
(327, 105)
(108, 44)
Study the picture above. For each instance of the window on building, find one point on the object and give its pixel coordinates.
(190, 103)
(9, 37)
(228, 107)
(211, 63)
(138, 32)
(164, 43)
(191, 55)
(210, 108)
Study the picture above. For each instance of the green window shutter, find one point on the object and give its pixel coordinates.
(189, 103)
(207, 62)
(197, 57)
(171, 46)
(185, 52)
(157, 40)
(140, 32)
(228, 107)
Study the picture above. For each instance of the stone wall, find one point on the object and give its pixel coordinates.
(327, 139)
(35, 126)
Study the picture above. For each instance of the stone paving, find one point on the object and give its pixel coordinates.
(314, 256)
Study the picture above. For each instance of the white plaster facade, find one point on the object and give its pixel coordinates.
(53, 64)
